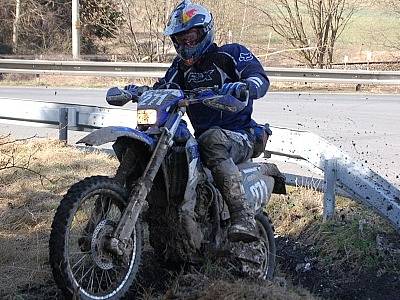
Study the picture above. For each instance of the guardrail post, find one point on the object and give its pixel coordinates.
(330, 177)
(63, 125)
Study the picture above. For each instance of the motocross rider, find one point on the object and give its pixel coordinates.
(225, 138)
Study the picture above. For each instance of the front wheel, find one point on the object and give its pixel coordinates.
(81, 265)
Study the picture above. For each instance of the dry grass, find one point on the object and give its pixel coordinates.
(235, 290)
(214, 281)
(30, 195)
(294, 212)
(27, 206)
(347, 242)
(28, 202)
(70, 81)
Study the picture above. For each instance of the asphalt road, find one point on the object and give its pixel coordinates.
(365, 126)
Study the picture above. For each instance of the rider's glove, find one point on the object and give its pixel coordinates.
(235, 89)
(135, 90)
(132, 89)
(117, 96)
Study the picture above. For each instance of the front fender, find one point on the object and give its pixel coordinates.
(110, 134)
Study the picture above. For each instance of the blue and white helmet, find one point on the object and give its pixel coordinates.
(184, 17)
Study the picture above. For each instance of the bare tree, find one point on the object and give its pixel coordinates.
(143, 31)
(224, 13)
(31, 25)
(312, 26)
(12, 159)
(394, 6)
(133, 27)
(16, 24)
(7, 9)
(42, 26)
(101, 18)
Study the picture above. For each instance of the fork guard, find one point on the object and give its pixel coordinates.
(112, 133)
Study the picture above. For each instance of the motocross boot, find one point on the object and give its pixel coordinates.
(229, 181)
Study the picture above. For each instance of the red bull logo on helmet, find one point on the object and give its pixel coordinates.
(188, 15)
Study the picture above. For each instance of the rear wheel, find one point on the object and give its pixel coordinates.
(82, 267)
(257, 259)
(267, 246)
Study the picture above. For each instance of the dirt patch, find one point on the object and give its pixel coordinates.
(206, 282)
(301, 264)
(354, 256)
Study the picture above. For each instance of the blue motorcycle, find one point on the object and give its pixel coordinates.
(97, 238)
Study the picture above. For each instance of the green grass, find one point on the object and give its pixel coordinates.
(369, 27)
(348, 242)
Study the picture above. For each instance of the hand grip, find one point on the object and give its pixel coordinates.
(117, 96)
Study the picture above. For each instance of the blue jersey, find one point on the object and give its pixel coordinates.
(219, 65)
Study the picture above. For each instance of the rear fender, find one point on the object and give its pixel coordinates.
(112, 133)
(257, 184)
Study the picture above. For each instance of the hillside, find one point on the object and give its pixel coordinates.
(356, 256)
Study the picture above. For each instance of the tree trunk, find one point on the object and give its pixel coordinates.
(243, 21)
(76, 30)
(15, 25)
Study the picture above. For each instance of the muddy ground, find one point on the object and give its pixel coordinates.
(298, 261)
(300, 275)
(354, 256)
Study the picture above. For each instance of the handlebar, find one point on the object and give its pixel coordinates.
(244, 93)
(209, 96)
(212, 99)
(118, 97)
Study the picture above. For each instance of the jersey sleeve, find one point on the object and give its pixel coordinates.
(249, 70)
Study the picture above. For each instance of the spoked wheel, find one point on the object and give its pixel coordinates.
(81, 263)
(257, 259)
(266, 247)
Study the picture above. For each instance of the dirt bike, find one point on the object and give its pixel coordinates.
(96, 241)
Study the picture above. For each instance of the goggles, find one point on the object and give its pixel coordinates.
(189, 38)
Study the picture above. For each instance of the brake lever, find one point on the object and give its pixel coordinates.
(186, 102)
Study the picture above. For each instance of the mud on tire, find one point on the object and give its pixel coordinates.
(268, 234)
(88, 271)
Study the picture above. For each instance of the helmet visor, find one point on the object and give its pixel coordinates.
(189, 38)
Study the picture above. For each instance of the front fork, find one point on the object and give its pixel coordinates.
(119, 243)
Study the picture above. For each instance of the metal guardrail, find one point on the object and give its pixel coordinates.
(62, 115)
(340, 171)
(151, 70)
(154, 70)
